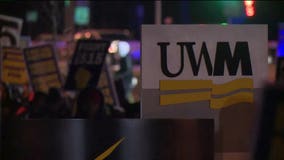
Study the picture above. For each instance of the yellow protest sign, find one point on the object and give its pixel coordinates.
(42, 67)
(13, 66)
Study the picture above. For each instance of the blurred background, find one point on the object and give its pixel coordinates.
(63, 23)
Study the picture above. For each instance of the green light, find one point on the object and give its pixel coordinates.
(82, 15)
(224, 24)
(31, 16)
(67, 3)
(232, 8)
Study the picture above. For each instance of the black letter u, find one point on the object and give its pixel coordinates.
(164, 57)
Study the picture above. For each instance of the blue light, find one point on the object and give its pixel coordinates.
(140, 11)
(280, 48)
(136, 55)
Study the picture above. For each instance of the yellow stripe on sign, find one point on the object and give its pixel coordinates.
(19, 57)
(184, 98)
(109, 150)
(242, 83)
(218, 103)
(9, 63)
(166, 85)
(12, 50)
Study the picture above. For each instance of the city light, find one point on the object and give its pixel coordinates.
(77, 36)
(249, 3)
(123, 48)
(88, 35)
(249, 8)
(31, 16)
(113, 47)
(82, 15)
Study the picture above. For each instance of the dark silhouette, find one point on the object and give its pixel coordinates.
(90, 104)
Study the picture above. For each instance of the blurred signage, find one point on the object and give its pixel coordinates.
(42, 67)
(25, 42)
(13, 66)
(127, 139)
(10, 30)
(87, 63)
(204, 71)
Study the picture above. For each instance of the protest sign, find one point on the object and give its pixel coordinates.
(10, 31)
(42, 68)
(86, 65)
(205, 71)
(13, 66)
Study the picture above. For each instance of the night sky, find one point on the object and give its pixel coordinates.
(126, 14)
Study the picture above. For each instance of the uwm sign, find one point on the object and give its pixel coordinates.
(198, 65)
(223, 55)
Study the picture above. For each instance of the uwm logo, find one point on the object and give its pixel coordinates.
(221, 95)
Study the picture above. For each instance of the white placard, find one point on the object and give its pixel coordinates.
(254, 35)
(205, 71)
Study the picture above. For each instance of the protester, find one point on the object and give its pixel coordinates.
(19, 102)
(57, 107)
(90, 104)
(38, 107)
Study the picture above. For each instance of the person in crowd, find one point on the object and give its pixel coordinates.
(8, 104)
(90, 104)
(39, 107)
(57, 107)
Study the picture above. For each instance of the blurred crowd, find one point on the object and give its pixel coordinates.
(20, 102)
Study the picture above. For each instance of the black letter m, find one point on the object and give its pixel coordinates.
(241, 54)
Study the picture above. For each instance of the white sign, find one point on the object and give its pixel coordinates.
(10, 30)
(190, 57)
(203, 71)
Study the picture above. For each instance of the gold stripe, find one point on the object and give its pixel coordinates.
(243, 83)
(109, 150)
(184, 98)
(19, 57)
(13, 50)
(166, 85)
(218, 103)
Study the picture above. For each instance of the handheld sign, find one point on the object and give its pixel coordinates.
(10, 30)
(13, 66)
(42, 68)
(87, 63)
(205, 71)
(127, 139)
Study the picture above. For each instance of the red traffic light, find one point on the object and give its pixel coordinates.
(249, 8)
